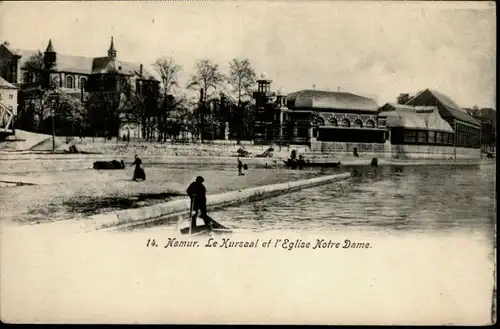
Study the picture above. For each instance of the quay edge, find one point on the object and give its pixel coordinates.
(231, 160)
(168, 211)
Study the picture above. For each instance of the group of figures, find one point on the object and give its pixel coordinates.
(293, 162)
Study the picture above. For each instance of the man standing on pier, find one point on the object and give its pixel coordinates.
(197, 192)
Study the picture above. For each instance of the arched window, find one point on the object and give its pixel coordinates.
(69, 82)
(334, 122)
(83, 81)
(358, 123)
(319, 121)
(346, 123)
(370, 124)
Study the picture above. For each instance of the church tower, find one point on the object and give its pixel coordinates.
(50, 57)
(49, 63)
(112, 51)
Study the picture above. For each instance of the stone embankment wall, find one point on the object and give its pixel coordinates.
(433, 152)
(142, 148)
(173, 209)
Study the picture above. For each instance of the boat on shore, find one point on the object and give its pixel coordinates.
(293, 164)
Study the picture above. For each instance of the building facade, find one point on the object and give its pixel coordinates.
(267, 122)
(467, 130)
(337, 122)
(417, 132)
(78, 76)
(8, 103)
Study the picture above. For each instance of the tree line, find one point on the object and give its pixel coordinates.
(222, 101)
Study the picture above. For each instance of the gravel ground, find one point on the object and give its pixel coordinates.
(74, 194)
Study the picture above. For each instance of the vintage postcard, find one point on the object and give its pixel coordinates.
(248, 162)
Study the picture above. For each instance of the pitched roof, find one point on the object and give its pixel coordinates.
(73, 64)
(418, 117)
(50, 47)
(107, 65)
(319, 99)
(81, 64)
(4, 84)
(448, 105)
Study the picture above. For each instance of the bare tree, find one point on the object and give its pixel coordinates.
(207, 78)
(242, 79)
(169, 72)
(34, 65)
(403, 98)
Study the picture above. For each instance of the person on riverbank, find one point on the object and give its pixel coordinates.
(240, 168)
(197, 193)
(138, 171)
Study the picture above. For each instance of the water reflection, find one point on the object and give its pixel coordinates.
(420, 198)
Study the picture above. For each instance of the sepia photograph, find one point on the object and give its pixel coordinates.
(248, 162)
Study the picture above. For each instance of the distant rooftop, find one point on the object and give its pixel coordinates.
(79, 64)
(4, 84)
(447, 104)
(319, 99)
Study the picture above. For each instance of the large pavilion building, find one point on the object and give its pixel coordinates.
(325, 121)
(417, 131)
(467, 130)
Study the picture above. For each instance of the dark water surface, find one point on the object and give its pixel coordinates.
(416, 198)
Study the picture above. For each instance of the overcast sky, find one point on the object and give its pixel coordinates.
(372, 49)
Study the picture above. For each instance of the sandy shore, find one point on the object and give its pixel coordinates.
(78, 193)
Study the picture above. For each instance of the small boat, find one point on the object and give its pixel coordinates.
(205, 229)
(293, 164)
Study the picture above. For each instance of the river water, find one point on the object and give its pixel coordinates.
(416, 198)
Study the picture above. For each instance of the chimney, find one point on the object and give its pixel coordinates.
(140, 70)
(314, 87)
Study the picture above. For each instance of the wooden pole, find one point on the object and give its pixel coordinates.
(192, 222)
(53, 130)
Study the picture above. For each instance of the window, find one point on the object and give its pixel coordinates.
(346, 123)
(439, 137)
(11, 96)
(370, 124)
(382, 122)
(333, 122)
(410, 136)
(451, 138)
(422, 136)
(317, 120)
(431, 137)
(83, 81)
(303, 132)
(358, 123)
(69, 82)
